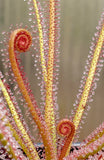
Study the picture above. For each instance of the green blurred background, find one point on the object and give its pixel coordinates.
(79, 19)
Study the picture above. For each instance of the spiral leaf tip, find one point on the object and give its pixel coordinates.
(65, 127)
(23, 40)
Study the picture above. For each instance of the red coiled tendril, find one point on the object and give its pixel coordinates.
(22, 41)
(66, 129)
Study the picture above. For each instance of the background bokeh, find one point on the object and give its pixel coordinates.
(79, 19)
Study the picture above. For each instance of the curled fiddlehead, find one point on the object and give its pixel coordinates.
(20, 40)
(66, 129)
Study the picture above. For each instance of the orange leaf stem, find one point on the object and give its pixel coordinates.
(22, 43)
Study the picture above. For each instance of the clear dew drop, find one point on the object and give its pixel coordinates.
(30, 19)
(31, 8)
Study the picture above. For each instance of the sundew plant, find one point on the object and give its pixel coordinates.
(20, 133)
